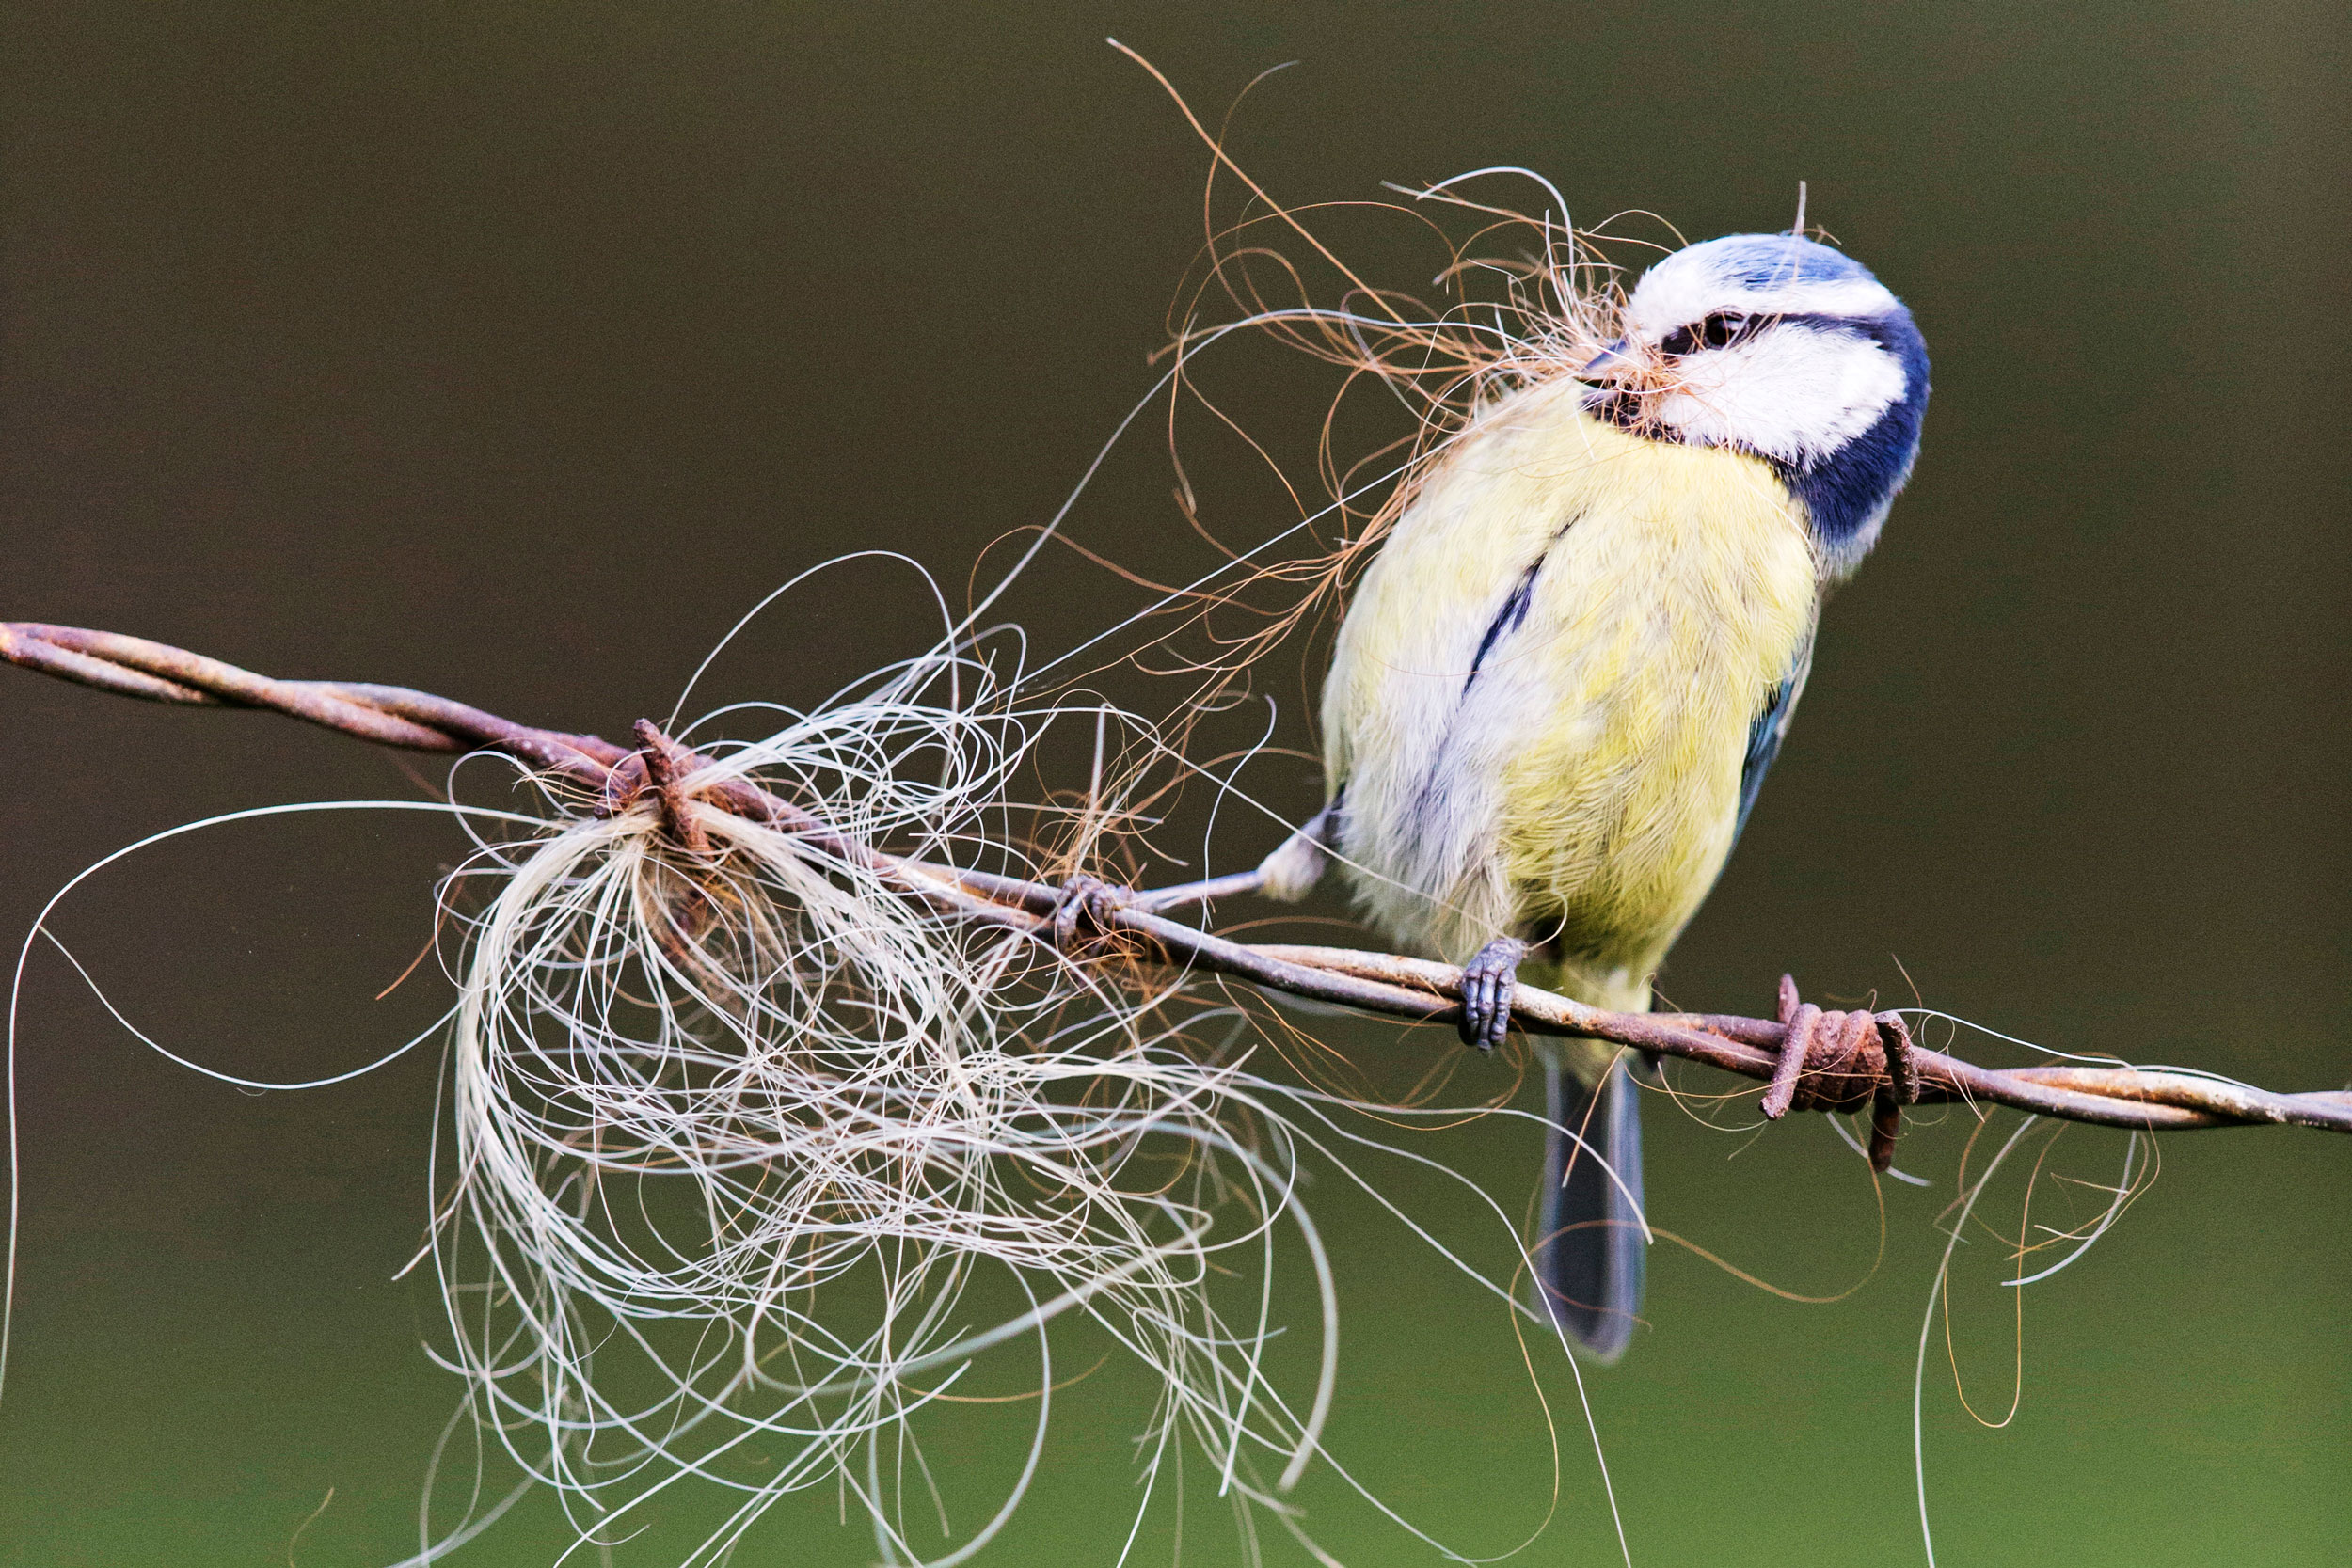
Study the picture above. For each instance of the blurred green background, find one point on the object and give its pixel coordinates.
(512, 351)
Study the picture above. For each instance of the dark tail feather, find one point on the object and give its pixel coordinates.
(1589, 1248)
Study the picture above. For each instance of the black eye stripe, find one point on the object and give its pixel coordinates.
(1720, 330)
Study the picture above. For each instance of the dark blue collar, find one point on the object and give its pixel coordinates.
(1846, 492)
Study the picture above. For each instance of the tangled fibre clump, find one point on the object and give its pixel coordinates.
(738, 1129)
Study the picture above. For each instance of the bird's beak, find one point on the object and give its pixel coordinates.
(1620, 361)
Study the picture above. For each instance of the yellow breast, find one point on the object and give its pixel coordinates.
(1579, 779)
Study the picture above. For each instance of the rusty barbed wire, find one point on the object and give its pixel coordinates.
(1809, 1058)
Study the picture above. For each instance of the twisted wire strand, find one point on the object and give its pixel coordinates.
(1385, 984)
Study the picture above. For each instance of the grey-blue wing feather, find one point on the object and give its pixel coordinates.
(1766, 732)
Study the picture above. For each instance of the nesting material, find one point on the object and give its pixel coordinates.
(739, 1130)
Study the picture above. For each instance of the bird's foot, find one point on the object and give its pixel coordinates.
(1489, 981)
(1084, 908)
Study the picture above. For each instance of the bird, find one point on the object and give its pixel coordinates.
(1560, 682)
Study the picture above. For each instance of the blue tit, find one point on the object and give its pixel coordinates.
(1560, 683)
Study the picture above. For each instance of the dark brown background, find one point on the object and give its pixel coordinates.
(513, 350)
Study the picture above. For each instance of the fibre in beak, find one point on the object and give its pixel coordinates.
(1621, 362)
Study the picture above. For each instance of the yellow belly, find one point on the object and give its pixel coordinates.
(1579, 783)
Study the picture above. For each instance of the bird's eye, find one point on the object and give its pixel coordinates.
(1720, 330)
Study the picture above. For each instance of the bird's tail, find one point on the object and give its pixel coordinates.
(1590, 1244)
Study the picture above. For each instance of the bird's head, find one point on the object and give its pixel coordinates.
(1774, 345)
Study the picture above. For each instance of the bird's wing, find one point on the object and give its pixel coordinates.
(1766, 731)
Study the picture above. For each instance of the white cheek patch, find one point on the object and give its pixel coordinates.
(1789, 392)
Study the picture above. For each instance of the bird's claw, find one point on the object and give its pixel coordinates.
(1490, 983)
(1084, 906)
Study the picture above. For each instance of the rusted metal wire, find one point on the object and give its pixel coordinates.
(1811, 1059)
